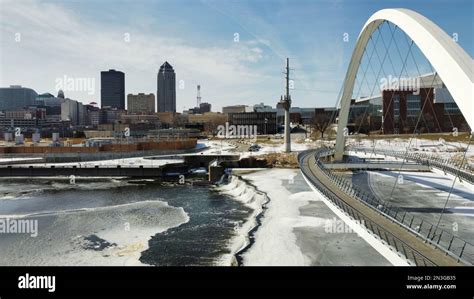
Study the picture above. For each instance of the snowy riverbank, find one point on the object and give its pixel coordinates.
(244, 192)
(293, 229)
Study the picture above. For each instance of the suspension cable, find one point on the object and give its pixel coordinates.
(411, 139)
(452, 186)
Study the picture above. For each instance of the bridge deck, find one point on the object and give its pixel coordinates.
(404, 241)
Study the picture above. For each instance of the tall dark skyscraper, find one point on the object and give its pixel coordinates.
(112, 90)
(166, 94)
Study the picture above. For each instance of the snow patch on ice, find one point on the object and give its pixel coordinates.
(275, 241)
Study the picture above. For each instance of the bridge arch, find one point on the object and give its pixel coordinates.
(452, 64)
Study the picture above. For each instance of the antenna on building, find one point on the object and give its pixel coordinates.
(198, 97)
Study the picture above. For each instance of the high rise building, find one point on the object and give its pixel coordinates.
(92, 115)
(73, 111)
(16, 97)
(112, 91)
(166, 94)
(141, 103)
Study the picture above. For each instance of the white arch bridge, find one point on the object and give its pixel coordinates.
(452, 64)
(405, 232)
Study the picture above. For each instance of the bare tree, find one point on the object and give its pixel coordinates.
(321, 122)
(178, 121)
(362, 123)
(214, 124)
(428, 123)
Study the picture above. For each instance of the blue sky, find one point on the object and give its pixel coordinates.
(78, 39)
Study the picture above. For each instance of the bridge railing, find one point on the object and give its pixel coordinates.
(438, 237)
(463, 171)
(389, 238)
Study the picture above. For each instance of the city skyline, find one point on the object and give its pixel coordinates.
(239, 62)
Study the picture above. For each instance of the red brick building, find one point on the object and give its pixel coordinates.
(401, 111)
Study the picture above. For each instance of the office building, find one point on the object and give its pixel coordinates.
(141, 103)
(265, 121)
(204, 107)
(236, 109)
(51, 103)
(112, 91)
(110, 115)
(73, 111)
(16, 97)
(31, 117)
(93, 115)
(426, 107)
(166, 93)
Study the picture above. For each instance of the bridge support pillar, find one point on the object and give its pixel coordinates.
(340, 142)
(342, 122)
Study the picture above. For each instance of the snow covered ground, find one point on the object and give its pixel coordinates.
(372, 156)
(294, 227)
(232, 147)
(4, 160)
(280, 148)
(419, 144)
(275, 242)
(436, 148)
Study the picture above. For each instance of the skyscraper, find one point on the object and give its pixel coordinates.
(166, 94)
(112, 91)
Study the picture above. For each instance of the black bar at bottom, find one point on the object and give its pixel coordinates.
(223, 282)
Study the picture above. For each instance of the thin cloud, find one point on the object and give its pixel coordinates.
(56, 41)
